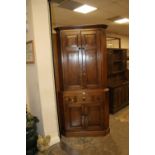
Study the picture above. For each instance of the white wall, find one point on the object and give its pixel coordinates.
(33, 95)
(40, 78)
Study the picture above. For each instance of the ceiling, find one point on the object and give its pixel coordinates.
(106, 9)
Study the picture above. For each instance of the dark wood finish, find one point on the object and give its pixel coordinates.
(72, 61)
(81, 27)
(119, 96)
(117, 79)
(127, 74)
(85, 133)
(91, 55)
(84, 109)
(58, 85)
(81, 68)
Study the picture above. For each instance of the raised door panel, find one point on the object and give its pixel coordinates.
(74, 120)
(126, 94)
(71, 60)
(119, 97)
(94, 116)
(91, 58)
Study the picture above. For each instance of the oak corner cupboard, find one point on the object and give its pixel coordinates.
(81, 80)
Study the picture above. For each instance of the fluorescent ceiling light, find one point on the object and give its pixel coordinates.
(85, 9)
(122, 20)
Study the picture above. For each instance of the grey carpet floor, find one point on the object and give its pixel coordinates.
(116, 143)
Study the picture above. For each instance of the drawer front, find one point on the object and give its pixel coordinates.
(78, 97)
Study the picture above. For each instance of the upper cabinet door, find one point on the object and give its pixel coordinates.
(71, 59)
(92, 57)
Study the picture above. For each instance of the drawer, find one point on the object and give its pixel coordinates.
(83, 96)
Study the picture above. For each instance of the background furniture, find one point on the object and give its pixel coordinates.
(118, 79)
(81, 80)
(113, 42)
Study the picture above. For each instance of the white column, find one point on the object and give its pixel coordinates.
(44, 63)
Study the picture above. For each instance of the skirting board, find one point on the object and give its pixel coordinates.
(54, 140)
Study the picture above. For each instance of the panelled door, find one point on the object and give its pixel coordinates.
(93, 119)
(91, 70)
(84, 116)
(71, 59)
(74, 118)
(81, 59)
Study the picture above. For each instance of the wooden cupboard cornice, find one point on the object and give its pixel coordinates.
(81, 27)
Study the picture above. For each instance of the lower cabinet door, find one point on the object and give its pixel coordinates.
(94, 116)
(84, 116)
(74, 118)
(85, 111)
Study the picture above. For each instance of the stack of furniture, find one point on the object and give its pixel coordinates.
(81, 80)
(117, 79)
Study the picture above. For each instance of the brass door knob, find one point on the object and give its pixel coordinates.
(83, 93)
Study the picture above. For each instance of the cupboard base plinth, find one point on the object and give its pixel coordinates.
(86, 133)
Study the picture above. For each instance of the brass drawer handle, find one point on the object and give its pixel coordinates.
(106, 89)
